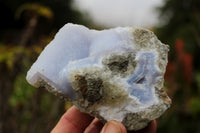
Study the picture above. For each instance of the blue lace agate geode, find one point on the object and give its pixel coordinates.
(114, 74)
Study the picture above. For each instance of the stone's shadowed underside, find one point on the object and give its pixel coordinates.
(114, 74)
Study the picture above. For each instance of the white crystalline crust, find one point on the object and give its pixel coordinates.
(114, 74)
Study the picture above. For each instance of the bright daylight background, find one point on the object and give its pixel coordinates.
(27, 26)
(121, 12)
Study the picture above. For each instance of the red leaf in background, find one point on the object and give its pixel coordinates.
(181, 68)
(187, 64)
(184, 61)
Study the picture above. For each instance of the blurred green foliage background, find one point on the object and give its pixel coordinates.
(26, 27)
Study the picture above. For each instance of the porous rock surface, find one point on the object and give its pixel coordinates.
(114, 74)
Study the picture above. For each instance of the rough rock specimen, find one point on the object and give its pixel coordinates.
(114, 74)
